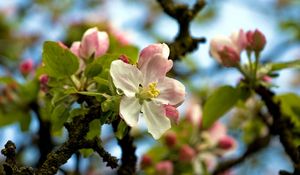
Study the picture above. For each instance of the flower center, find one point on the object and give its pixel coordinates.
(152, 91)
(149, 92)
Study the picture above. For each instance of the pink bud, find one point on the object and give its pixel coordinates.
(259, 40)
(151, 50)
(186, 153)
(226, 143)
(124, 58)
(267, 78)
(172, 113)
(75, 48)
(225, 51)
(239, 39)
(26, 66)
(256, 40)
(170, 139)
(217, 131)
(146, 161)
(44, 79)
(164, 168)
(94, 43)
(229, 57)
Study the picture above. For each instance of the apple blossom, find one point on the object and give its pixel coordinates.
(93, 44)
(226, 50)
(146, 88)
(164, 168)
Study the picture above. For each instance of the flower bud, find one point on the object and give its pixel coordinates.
(75, 48)
(225, 51)
(26, 67)
(146, 161)
(164, 168)
(266, 78)
(44, 79)
(226, 143)
(124, 58)
(170, 139)
(94, 43)
(153, 49)
(172, 113)
(256, 40)
(186, 153)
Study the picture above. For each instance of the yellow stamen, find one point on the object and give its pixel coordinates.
(152, 91)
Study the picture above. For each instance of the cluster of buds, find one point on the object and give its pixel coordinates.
(202, 146)
(227, 50)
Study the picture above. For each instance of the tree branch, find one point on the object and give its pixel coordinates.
(128, 166)
(184, 42)
(281, 126)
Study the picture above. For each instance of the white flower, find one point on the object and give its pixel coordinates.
(147, 89)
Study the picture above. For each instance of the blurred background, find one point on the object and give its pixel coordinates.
(26, 24)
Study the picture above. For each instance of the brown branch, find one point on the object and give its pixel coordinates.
(184, 42)
(281, 126)
(77, 130)
(10, 166)
(128, 158)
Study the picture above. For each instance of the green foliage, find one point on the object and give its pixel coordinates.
(119, 49)
(122, 130)
(222, 100)
(59, 62)
(290, 106)
(284, 65)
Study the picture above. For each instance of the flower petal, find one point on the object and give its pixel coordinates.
(157, 122)
(103, 42)
(126, 77)
(75, 48)
(155, 69)
(151, 50)
(217, 44)
(171, 91)
(129, 110)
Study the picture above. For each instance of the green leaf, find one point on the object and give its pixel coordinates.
(59, 116)
(28, 92)
(95, 129)
(122, 130)
(284, 65)
(221, 101)
(86, 152)
(93, 69)
(290, 106)
(6, 80)
(101, 81)
(106, 60)
(59, 62)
